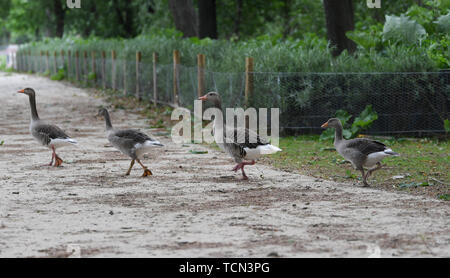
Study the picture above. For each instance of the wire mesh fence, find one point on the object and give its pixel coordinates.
(406, 103)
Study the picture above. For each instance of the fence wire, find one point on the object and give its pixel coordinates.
(405, 102)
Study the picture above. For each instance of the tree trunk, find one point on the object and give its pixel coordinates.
(93, 15)
(60, 14)
(237, 21)
(339, 19)
(125, 17)
(184, 17)
(207, 19)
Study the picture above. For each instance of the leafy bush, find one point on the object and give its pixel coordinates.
(270, 55)
(443, 23)
(403, 29)
(362, 122)
(60, 75)
(447, 125)
(423, 29)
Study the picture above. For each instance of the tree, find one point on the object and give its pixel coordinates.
(59, 10)
(339, 20)
(207, 19)
(184, 17)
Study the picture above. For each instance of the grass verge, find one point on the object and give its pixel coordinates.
(422, 169)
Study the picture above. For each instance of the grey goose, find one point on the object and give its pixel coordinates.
(240, 149)
(48, 135)
(130, 142)
(360, 152)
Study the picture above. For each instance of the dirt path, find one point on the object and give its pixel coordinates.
(193, 205)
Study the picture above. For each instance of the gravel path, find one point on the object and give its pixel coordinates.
(193, 206)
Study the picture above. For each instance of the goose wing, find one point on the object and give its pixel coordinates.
(366, 146)
(46, 132)
(133, 135)
(245, 138)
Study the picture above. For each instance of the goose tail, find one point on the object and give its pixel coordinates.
(391, 152)
(154, 144)
(268, 149)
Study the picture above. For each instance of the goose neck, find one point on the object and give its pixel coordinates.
(108, 122)
(338, 134)
(34, 113)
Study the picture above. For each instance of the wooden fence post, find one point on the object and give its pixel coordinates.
(77, 65)
(20, 61)
(103, 69)
(41, 53)
(47, 63)
(69, 62)
(55, 66)
(201, 64)
(138, 62)
(35, 64)
(124, 76)
(248, 79)
(155, 79)
(176, 67)
(32, 62)
(94, 71)
(85, 67)
(62, 59)
(113, 69)
(29, 61)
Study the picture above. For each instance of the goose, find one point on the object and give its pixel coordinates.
(48, 135)
(244, 153)
(360, 152)
(130, 142)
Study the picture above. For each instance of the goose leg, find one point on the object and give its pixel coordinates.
(364, 177)
(53, 157)
(244, 176)
(129, 169)
(147, 172)
(373, 170)
(238, 166)
(58, 161)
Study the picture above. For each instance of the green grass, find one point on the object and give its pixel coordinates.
(424, 164)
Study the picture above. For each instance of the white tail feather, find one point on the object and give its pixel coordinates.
(268, 149)
(72, 141)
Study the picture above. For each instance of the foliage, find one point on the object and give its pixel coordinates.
(60, 75)
(292, 55)
(443, 23)
(360, 123)
(447, 125)
(402, 29)
(423, 28)
(445, 197)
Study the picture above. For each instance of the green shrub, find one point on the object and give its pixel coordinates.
(60, 75)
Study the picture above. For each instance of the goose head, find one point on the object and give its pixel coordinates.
(102, 112)
(212, 97)
(332, 123)
(27, 91)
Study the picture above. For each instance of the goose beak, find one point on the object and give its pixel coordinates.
(21, 91)
(325, 125)
(202, 98)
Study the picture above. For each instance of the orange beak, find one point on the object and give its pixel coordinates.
(202, 97)
(21, 91)
(325, 125)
